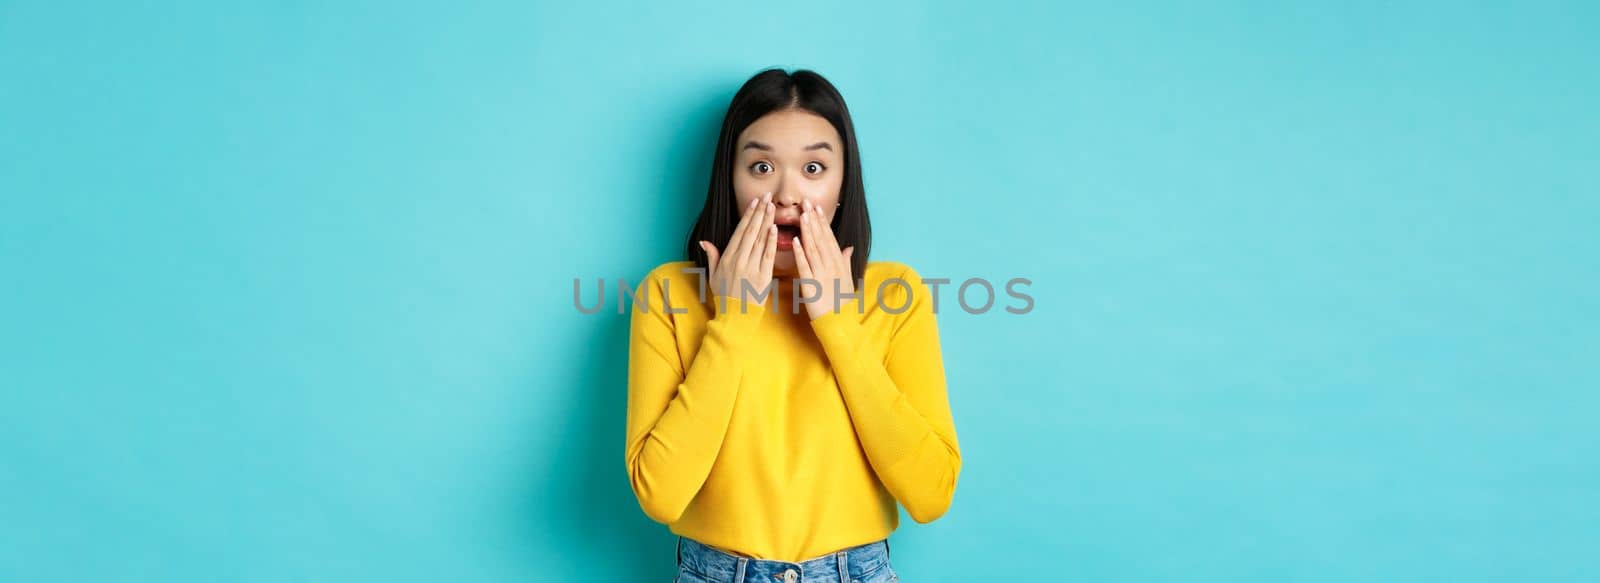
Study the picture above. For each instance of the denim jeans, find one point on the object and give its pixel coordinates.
(702, 563)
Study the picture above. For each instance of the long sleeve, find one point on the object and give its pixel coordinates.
(897, 399)
(677, 418)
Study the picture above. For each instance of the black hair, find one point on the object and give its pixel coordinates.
(774, 90)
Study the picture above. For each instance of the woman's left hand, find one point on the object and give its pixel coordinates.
(818, 258)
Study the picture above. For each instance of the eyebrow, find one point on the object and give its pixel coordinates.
(754, 145)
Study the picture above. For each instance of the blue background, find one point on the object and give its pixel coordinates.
(288, 287)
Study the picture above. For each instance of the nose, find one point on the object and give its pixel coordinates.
(786, 196)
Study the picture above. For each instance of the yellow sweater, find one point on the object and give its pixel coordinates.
(763, 432)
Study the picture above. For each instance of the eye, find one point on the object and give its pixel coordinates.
(761, 167)
(815, 168)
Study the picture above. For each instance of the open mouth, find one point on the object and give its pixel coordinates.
(788, 229)
(786, 235)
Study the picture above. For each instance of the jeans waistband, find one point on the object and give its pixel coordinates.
(857, 562)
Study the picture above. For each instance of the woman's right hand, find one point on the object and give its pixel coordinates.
(749, 254)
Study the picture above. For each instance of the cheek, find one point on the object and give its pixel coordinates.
(835, 182)
(826, 195)
(746, 190)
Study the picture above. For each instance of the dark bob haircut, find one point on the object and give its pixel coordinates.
(775, 90)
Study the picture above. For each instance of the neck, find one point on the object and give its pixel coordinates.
(783, 290)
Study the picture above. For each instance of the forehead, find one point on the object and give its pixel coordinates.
(790, 129)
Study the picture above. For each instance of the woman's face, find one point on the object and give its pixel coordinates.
(796, 155)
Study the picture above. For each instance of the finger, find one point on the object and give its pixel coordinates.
(713, 268)
(711, 258)
(769, 238)
(771, 252)
(734, 253)
(758, 223)
(809, 228)
(738, 230)
(846, 267)
(802, 242)
(801, 264)
(830, 244)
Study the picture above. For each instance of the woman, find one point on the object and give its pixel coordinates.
(775, 433)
